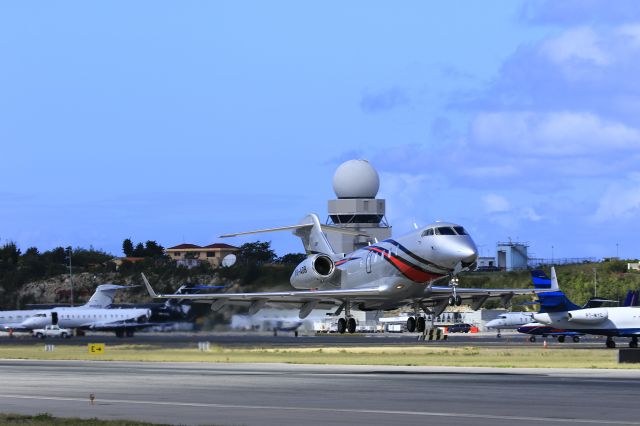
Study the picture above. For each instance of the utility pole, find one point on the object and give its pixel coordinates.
(69, 249)
(617, 255)
(595, 282)
(551, 255)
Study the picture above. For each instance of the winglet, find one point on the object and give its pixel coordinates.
(149, 288)
(554, 280)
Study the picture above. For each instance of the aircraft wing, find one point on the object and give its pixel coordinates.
(14, 327)
(492, 292)
(112, 325)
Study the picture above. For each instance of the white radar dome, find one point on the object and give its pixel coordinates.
(356, 179)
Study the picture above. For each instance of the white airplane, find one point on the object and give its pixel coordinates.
(94, 315)
(14, 320)
(510, 321)
(383, 276)
(603, 321)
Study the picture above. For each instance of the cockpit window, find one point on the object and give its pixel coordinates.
(445, 230)
(460, 230)
(427, 232)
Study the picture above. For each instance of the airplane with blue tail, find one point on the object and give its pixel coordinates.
(558, 312)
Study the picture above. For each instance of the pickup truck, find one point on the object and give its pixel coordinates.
(52, 331)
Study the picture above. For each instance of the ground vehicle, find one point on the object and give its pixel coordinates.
(52, 331)
(459, 328)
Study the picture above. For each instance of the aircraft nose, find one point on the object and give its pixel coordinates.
(468, 252)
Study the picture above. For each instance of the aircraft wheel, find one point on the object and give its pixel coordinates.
(351, 325)
(119, 333)
(458, 300)
(498, 335)
(452, 301)
(295, 333)
(561, 339)
(576, 339)
(342, 325)
(421, 324)
(633, 343)
(532, 339)
(411, 324)
(611, 344)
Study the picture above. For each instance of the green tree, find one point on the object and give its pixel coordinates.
(257, 253)
(127, 247)
(9, 256)
(292, 258)
(153, 249)
(138, 251)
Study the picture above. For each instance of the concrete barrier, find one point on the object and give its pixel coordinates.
(629, 356)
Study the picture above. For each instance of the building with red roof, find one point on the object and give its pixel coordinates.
(191, 255)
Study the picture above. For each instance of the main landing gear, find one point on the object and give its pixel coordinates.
(611, 344)
(416, 324)
(348, 323)
(633, 343)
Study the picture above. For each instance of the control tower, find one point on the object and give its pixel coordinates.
(356, 185)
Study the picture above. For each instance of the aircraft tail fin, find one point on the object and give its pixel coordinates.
(553, 300)
(310, 231)
(152, 293)
(104, 295)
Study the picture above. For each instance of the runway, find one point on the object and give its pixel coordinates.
(276, 394)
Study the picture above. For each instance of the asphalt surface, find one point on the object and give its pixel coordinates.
(287, 339)
(276, 394)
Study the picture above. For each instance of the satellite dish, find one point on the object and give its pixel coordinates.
(229, 260)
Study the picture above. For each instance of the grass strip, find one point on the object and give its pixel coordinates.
(47, 419)
(423, 355)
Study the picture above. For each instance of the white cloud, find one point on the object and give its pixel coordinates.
(562, 133)
(494, 203)
(578, 44)
(620, 201)
(631, 31)
(530, 214)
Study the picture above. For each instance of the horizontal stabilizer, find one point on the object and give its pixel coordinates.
(301, 226)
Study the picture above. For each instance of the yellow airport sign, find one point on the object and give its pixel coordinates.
(96, 348)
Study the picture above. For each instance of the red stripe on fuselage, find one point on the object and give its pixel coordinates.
(408, 270)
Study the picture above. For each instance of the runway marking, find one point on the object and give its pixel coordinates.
(320, 409)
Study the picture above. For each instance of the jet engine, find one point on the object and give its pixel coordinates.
(313, 272)
(587, 316)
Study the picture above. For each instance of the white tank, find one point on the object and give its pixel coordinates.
(356, 179)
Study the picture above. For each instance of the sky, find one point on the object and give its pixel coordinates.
(181, 121)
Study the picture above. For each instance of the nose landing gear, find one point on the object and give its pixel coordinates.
(454, 299)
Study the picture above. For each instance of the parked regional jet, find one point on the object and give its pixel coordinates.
(15, 320)
(510, 321)
(383, 276)
(602, 321)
